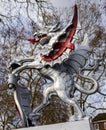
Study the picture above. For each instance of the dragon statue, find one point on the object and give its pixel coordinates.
(58, 60)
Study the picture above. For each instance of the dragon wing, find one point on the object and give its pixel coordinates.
(77, 60)
(63, 42)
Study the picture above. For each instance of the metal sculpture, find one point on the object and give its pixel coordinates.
(58, 60)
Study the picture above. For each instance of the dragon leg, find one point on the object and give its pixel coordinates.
(71, 102)
(46, 93)
(80, 113)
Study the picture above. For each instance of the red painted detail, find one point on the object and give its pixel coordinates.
(17, 110)
(62, 46)
(32, 40)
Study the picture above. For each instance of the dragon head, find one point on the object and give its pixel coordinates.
(55, 42)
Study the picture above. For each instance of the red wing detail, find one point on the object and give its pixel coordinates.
(62, 46)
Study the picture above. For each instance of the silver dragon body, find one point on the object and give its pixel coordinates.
(62, 76)
(62, 71)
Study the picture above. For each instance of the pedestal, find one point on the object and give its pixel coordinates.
(84, 124)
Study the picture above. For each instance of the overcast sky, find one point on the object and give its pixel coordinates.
(63, 3)
(70, 3)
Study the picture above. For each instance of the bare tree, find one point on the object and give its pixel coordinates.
(90, 16)
(17, 24)
(14, 32)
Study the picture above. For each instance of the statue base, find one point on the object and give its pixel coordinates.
(84, 124)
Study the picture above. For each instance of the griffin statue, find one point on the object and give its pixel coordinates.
(58, 59)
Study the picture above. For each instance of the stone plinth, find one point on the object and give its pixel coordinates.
(84, 124)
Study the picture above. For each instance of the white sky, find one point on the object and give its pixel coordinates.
(70, 3)
(63, 3)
